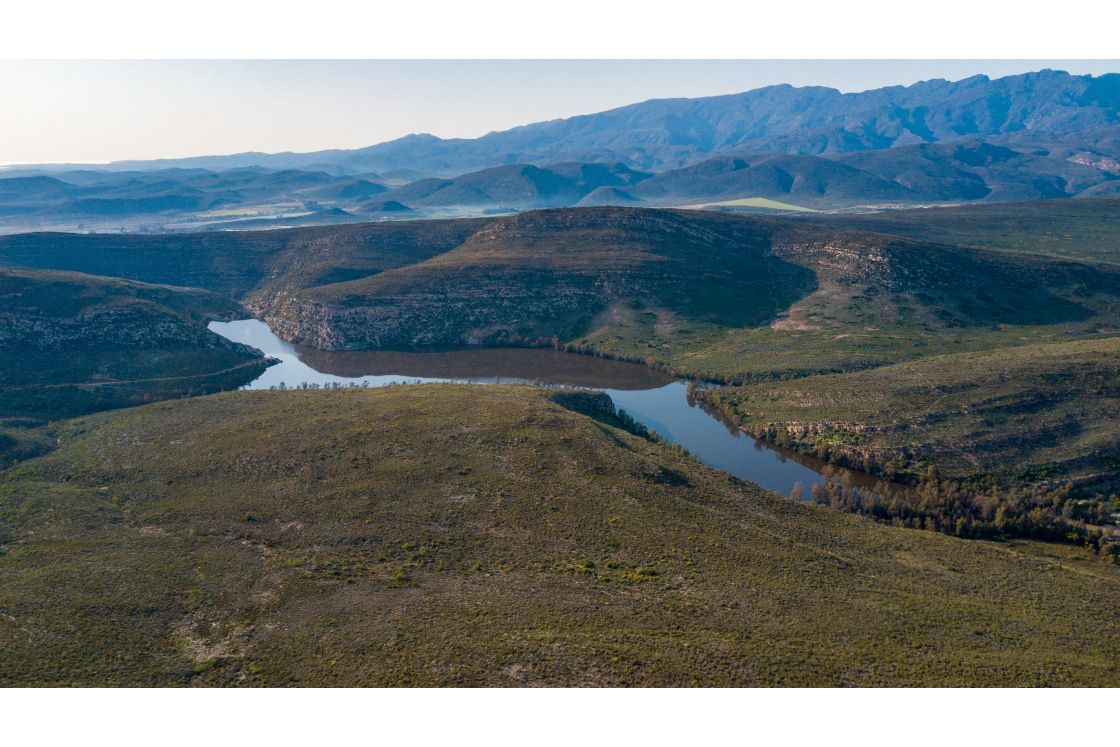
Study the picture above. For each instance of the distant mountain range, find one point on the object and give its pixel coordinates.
(1038, 135)
(669, 133)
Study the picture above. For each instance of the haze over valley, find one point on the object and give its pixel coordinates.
(1040, 135)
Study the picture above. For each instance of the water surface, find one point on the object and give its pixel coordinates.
(653, 398)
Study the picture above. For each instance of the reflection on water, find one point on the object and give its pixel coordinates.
(546, 366)
(656, 400)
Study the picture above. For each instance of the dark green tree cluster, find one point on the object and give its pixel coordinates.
(952, 507)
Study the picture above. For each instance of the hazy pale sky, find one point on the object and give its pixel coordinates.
(104, 110)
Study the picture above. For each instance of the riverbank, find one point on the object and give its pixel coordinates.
(1015, 442)
(659, 403)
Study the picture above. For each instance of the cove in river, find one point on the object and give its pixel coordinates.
(655, 399)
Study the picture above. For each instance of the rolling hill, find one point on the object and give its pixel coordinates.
(1080, 230)
(455, 535)
(975, 170)
(549, 274)
(718, 296)
(235, 263)
(798, 179)
(191, 200)
(517, 186)
(152, 200)
(72, 344)
(1017, 414)
(921, 174)
(967, 171)
(723, 297)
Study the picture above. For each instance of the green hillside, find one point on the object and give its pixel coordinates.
(554, 274)
(72, 343)
(454, 535)
(234, 263)
(1083, 229)
(723, 297)
(879, 299)
(1041, 411)
(719, 296)
(1019, 441)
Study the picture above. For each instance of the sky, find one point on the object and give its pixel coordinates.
(93, 112)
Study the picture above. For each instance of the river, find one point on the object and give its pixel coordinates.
(657, 400)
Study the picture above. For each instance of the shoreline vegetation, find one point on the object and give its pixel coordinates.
(977, 505)
(950, 441)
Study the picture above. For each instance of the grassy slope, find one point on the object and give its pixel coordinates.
(1014, 397)
(555, 274)
(93, 331)
(23, 438)
(461, 535)
(237, 263)
(1073, 229)
(688, 289)
(698, 292)
(1031, 412)
(880, 300)
(72, 343)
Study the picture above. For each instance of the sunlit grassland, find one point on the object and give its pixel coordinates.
(763, 203)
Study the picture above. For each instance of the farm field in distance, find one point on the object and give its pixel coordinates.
(763, 203)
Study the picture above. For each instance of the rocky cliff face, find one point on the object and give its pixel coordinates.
(141, 327)
(959, 287)
(547, 275)
(72, 343)
(551, 276)
(484, 312)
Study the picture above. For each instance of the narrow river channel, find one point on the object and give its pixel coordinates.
(653, 398)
